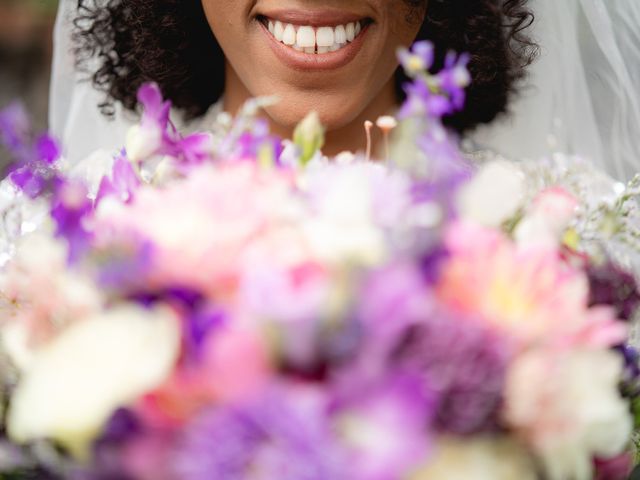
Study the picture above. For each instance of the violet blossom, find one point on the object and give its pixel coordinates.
(122, 183)
(278, 436)
(33, 169)
(610, 285)
(385, 425)
(70, 206)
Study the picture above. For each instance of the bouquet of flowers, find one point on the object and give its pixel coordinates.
(223, 305)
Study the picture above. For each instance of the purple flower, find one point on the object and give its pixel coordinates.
(610, 285)
(33, 168)
(422, 101)
(157, 136)
(251, 144)
(281, 436)
(417, 60)
(630, 384)
(433, 96)
(156, 110)
(193, 149)
(15, 130)
(70, 206)
(455, 78)
(465, 365)
(200, 316)
(458, 359)
(123, 181)
(385, 425)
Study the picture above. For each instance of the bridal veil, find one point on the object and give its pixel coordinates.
(582, 95)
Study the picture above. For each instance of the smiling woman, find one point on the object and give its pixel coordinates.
(337, 57)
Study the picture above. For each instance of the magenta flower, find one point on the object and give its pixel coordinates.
(122, 183)
(70, 206)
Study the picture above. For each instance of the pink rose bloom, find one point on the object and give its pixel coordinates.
(527, 291)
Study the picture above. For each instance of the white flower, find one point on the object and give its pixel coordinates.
(547, 218)
(343, 225)
(77, 381)
(493, 195)
(142, 142)
(482, 458)
(567, 407)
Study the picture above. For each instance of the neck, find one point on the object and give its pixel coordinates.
(350, 137)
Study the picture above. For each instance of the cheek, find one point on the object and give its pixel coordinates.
(226, 19)
(404, 21)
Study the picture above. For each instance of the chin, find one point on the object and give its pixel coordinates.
(335, 111)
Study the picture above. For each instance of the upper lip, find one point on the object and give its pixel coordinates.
(318, 18)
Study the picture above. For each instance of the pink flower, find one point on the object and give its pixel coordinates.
(200, 227)
(234, 368)
(527, 291)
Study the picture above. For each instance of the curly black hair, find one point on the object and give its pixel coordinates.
(170, 42)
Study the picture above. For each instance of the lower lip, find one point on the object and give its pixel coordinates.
(313, 61)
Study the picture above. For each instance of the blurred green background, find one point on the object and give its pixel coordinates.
(26, 29)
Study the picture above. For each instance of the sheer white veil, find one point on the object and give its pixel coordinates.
(582, 95)
(74, 117)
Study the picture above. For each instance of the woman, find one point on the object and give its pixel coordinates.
(337, 57)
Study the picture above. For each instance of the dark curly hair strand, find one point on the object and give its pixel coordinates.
(171, 43)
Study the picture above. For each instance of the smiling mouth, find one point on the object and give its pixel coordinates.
(315, 39)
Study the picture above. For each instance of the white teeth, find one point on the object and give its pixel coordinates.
(340, 34)
(278, 31)
(289, 35)
(314, 41)
(306, 37)
(325, 37)
(351, 32)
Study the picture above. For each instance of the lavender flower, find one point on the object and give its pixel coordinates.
(430, 98)
(33, 169)
(429, 95)
(282, 436)
(385, 425)
(15, 130)
(417, 60)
